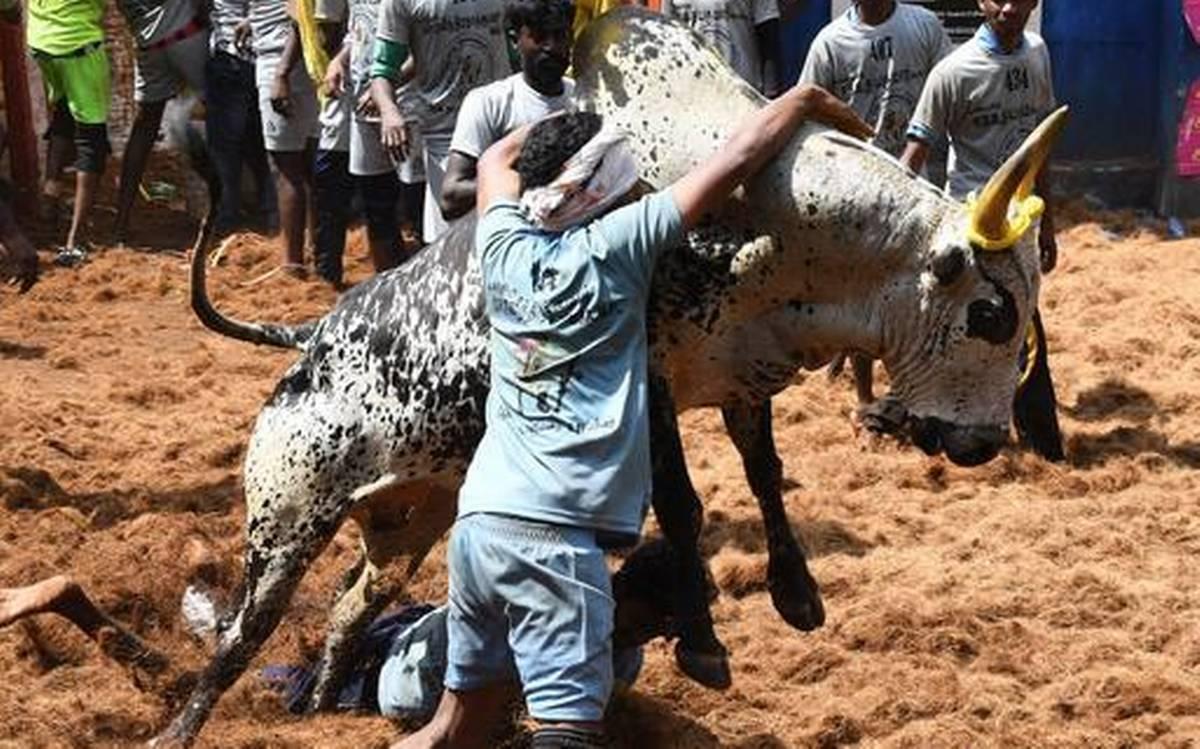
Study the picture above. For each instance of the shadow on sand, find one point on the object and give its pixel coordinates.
(24, 488)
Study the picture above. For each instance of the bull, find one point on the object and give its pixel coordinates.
(833, 247)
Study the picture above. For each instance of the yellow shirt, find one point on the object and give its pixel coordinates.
(57, 27)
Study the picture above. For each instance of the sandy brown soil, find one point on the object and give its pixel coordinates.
(1019, 604)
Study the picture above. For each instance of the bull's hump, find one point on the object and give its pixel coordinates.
(662, 82)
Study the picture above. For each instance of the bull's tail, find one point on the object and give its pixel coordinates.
(265, 334)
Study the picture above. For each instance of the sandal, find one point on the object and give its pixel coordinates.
(71, 257)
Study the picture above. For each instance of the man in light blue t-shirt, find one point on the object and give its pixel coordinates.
(563, 470)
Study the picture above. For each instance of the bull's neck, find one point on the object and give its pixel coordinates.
(850, 236)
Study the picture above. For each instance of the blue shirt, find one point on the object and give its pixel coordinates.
(567, 438)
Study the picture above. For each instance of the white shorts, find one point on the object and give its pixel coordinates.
(368, 157)
(292, 133)
(335, 124)
(437, 152)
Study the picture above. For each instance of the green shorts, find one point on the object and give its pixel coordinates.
(83, 80)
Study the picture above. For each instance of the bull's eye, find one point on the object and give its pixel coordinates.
(948, 266)
(994, 323)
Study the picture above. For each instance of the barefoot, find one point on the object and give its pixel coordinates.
(46, 596)
(296, 271)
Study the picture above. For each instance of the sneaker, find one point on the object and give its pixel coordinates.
(71, 257)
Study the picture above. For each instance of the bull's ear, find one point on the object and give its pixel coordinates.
(1014, 179)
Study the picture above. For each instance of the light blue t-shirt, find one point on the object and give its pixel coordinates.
(567, 439)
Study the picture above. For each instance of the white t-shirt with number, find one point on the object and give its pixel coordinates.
(728, 25)
(986, 102)
(878, 70)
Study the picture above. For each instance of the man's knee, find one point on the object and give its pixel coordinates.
(568, 737)
(91, 147)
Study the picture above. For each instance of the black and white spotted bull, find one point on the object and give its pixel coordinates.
(833, 247)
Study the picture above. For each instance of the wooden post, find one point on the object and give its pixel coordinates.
(22, 139)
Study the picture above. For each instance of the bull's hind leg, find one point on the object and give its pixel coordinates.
(297, 495)
(272, 572)
(399, 526)
(793, 590)
(699, 653)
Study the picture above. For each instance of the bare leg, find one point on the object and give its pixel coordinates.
(60, 152)
(85, 196)
(464, 720)
(293, 173)
(63, 596)
(133, 164)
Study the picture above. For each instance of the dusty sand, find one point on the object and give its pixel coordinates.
(1019, 604)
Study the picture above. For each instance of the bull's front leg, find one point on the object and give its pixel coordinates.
(699, 653)
(793, 590)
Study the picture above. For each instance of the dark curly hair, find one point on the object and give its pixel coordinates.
(543, 17)
(550, 143)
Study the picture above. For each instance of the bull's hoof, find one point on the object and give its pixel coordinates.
(885, 417)
(796, 597)
(707, 669)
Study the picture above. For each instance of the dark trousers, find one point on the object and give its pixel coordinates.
(334, 189)
(234, 132)
(1035, 407)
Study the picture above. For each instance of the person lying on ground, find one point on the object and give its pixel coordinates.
(400, 661)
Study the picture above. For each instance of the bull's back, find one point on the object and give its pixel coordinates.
(406, 353)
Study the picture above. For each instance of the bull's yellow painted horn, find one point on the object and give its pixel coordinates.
(991, 227)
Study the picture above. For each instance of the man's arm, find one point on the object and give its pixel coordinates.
(497, 167)
(756, 140)
(458, 186)
(386, 77)
(916, 153)
(931, 118)
(281, 89)
(335, 74)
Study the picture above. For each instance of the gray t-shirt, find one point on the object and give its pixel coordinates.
(151, 20)
(878, 70)
(224, 16)
(986, 102)
(728, 25)
(456, 45)
(492, 111)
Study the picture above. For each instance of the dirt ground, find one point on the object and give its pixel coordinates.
(1018, 604)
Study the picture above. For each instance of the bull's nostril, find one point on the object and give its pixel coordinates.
(927, 436)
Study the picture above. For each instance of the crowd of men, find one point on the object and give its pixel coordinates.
(425, 89)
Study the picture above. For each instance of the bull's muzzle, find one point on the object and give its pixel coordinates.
(966, 446)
